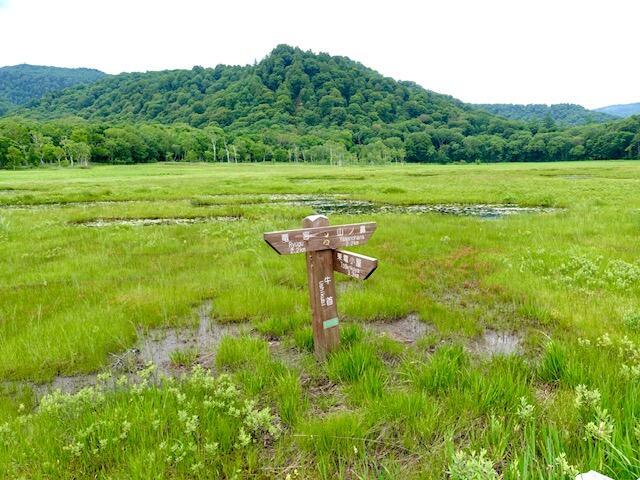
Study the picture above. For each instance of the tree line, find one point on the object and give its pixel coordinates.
(71, 142)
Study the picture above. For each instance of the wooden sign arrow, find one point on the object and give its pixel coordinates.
(353, 264)
(328, 237)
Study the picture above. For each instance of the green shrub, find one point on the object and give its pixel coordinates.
(471, 466)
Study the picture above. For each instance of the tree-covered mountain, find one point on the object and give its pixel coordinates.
(291, 106)
(21, 84)
(561, 113)
(289, 87)
(625, 110)
(5, 106)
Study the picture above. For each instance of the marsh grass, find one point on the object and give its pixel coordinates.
(185, 357)
(566, 282)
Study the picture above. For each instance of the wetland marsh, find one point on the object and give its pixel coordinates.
(516, 337)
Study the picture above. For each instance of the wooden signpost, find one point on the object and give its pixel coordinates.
(321, 243)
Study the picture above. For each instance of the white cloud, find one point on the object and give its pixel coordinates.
(544, 51)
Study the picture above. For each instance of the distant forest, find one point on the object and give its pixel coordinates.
(22, 84)
(562, 114)
(293, 106)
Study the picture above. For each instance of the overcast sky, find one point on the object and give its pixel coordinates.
(483, 51)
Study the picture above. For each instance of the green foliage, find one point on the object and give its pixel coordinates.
(548, 115)
(334, 436)
(632, 321)
(292, 106)
(446, 369)
(237, 352)
(553, 364)
(382, 407)
(195, 427)
(290, 398)
(472, 466)
(352, 363)
(185, 357)
(21, 84)
(303, 338)
(351, 333)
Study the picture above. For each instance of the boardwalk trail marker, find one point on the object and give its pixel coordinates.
(321, 242)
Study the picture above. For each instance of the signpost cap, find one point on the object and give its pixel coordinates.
(314, 219)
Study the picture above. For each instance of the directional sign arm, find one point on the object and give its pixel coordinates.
(354, 264)
(312, 239)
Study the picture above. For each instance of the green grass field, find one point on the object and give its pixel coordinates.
(565, 285)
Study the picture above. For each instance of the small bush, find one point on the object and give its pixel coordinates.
(471, 466)
(632, 321)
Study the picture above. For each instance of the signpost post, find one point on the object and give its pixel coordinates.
(321, 242)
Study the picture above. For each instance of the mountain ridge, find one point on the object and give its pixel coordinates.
(24, 83)
(298, 87)
(622, 110)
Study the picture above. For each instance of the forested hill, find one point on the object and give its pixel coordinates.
(289, 87)
(21, 84)
(625, 110)
(291, 106)
(562, 113)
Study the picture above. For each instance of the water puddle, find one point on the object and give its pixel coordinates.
(405, 330)
(335, 204)
(236, 199)
(486, 210)
(576, 177)
(324, 178)
(156, 346)
(493, 343)
(143, 222)
(421, 175)
(340, 204)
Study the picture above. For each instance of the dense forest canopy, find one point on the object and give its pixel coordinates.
(288, 87)
(561, 113)
(291, 106)
(21, 84)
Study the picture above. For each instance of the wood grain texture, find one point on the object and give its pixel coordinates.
(322, 293)
(354, 264)
(323, 237)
